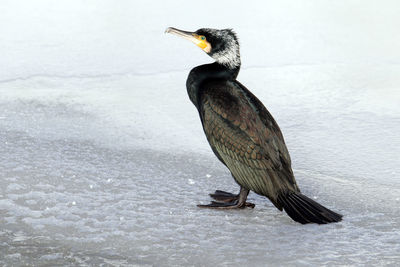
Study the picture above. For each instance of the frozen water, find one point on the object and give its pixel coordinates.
(102, 155)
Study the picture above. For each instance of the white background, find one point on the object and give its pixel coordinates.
(102, 155)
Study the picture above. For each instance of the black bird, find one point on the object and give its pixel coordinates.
(243, 134)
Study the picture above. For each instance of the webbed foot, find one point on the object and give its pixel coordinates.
(226, 200)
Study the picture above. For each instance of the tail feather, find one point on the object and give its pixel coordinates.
(305, 210)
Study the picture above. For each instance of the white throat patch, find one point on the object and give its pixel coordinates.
(230, 56)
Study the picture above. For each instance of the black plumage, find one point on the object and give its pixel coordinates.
(243, 134)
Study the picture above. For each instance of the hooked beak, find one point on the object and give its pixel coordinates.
(184, 34)
(191, 36)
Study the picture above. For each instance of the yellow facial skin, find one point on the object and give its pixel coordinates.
(199, 40)
(202, 43)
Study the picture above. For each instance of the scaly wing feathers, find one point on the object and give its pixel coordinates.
(247, 144)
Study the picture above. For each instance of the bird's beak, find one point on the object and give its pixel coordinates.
(191, 36)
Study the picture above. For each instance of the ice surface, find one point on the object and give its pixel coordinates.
(102, 155)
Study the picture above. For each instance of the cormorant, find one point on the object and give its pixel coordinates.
(242, 133)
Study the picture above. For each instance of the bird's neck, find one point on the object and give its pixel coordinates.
(207, 72)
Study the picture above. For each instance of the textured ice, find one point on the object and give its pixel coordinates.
(102, 155)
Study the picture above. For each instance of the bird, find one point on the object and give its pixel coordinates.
(242, 133)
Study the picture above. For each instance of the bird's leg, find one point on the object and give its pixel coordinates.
(229, 201)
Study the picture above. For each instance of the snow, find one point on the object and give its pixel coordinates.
(102, 155)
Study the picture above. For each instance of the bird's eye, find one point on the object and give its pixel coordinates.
(202, 37)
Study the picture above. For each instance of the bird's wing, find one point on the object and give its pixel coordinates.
(250, 145)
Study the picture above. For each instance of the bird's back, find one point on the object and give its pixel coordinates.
(245, 137)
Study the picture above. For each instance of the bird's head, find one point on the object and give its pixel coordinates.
(221, 45)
